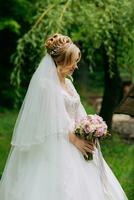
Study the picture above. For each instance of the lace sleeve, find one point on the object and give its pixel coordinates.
(80, 110)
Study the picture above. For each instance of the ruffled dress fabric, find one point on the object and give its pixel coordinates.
(57, 170)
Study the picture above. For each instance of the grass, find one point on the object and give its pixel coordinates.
(7, 120)
(117, 152)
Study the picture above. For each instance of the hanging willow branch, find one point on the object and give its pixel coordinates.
(62, 15)
(42, 16)
(17, 58)
(21, 42)
(35, 38)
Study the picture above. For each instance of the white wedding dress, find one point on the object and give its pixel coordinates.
(57, 170)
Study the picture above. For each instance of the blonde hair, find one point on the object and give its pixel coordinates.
(62, 49)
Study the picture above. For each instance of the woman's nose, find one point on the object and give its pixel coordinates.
(75, 67)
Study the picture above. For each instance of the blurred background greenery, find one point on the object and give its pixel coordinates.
(104, 31)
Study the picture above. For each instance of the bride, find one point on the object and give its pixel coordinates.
(46, 159)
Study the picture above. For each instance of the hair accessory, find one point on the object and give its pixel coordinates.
(56, 50)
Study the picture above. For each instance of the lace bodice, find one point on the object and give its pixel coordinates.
(72, 100)
(73, 103)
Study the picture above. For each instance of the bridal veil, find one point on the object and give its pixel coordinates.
(43, 111)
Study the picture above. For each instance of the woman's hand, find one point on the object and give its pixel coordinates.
(83, 145)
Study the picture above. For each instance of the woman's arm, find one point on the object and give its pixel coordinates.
(72, 138)
(83, 145)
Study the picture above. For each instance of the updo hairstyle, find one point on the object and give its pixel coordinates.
(62, 49)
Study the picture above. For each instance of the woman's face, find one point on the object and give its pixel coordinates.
(69, 69)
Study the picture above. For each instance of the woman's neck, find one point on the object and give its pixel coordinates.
(61, 77)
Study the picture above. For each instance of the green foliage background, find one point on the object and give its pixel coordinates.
(94, 25)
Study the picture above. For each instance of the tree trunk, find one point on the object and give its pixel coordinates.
(113, 91)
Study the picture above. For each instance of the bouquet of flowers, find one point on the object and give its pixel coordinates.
(90, 128)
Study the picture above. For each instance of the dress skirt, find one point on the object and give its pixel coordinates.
(57, 170)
